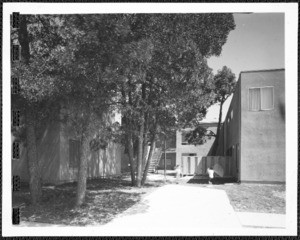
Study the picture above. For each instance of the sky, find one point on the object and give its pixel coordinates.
(256, 43)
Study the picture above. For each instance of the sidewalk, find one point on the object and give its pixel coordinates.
(176, 210)
(261, 220)
(183, 209)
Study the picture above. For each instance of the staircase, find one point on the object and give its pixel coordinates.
(155, 160)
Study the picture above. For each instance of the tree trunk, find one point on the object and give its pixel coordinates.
(152, 147)
(140, 155)
(35, 184)
(215, 148)
(130, 156)
(146, 126)
(82, 172)
(145, 149)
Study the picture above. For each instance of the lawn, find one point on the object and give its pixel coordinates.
(265, 198)
(104, 200)
(248, 197)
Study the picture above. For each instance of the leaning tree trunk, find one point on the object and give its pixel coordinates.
(145, 151)
(215, 147)
(35, 184)
(145, 141)
(152, 147)
(82, 172)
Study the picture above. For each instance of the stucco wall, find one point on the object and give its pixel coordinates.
(200, 150)
(263, 132)
(101, 163)
(205, 148)
(230, 133)
(106, 162)
(48, 154)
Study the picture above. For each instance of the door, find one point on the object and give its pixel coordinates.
(188, 164)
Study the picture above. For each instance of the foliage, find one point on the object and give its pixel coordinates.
(105, 135)
(225, 83)
(161, 72)
(223, 86)
(199, 135)
(151, 68)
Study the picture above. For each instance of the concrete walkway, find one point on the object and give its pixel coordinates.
(261, 220)
(183, 210)
(176, 210)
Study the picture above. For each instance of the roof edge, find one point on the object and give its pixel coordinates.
(263, 70)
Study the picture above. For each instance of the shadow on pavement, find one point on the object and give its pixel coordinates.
(215, 181)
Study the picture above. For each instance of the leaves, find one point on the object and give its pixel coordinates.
(152, 68)
(199, 135)
(225, 83)
(221, 86)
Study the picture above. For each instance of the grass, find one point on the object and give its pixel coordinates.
(105, 198)
(265, 198)
(248, 197)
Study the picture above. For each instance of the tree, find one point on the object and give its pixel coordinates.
(38, 72)
(151, 68)
(161, 70)
(224, 85)
(91, 94)
(59, 66)
(92, 128)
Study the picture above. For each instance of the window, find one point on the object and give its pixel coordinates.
(261, 98)
(169, 162)
(184, 140)
(74, 147)
(189, 154)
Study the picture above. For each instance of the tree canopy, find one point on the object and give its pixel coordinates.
(152, 68)
(223, 86)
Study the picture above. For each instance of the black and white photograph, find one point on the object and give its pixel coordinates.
(140, 119)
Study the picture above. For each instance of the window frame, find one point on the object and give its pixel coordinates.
(261, 109)
(184, 143)
(185, 154)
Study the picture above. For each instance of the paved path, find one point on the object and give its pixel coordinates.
(262, 220)
(183, 210)
(176, 210)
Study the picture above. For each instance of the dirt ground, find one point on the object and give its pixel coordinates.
(105, 198)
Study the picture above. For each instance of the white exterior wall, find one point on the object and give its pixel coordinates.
(180, 149)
